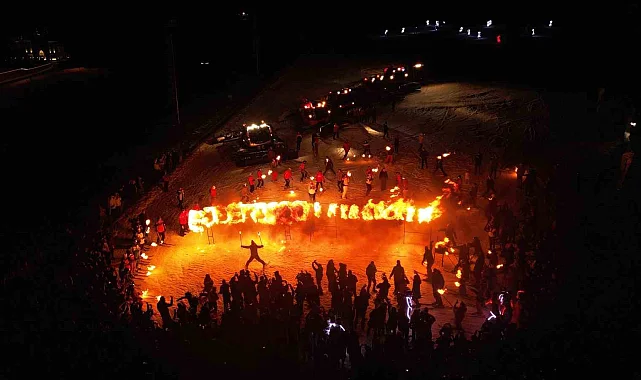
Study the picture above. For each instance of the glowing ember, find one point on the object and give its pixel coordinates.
(144, 256)
(286, 212)
(457, 284)
(441, 291)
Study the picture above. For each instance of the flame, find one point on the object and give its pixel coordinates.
(148, 273)
(289, 212)
(158, 298)
(441, 291)
(499, 266)
(269, 172)
(153, 244)
(446, 154)
(144, 256)
(516, 169)
(145, 293)
(457, 284)
(151, 267)
(459, 274)
(263, 176)
(375, 170)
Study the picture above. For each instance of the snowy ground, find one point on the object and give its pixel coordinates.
(456, 117)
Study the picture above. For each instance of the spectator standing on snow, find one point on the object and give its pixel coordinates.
(494, 166)
(370, 271)
(329, 165)
(397, 144)
(303, 171)
(346, 148)
(165, 182)
(180, 195)
(423, 154)
(299, 140)
(339, 180)
(161, 228)
(312, 191)
(367, 149)
(319, 179)
(439, 166)
(382, 176)
(438, 283)
(288, 177)
(250, 181)
(183, 220)
(336, 128)
(244, 193)
(316, 144)
(368, 183)
(478, 161)
(385, 130)
(345, 186)
(212, 194)
(274, 175)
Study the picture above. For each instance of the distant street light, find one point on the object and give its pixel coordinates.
(402, 30)
(386, 31)
(532, 31)
(468, 32)
(478, 35)
(427, 22)
(437, 24)
(550, 24)
(460, 30)
(488, 23)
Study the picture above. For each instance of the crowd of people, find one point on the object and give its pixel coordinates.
(251, 323)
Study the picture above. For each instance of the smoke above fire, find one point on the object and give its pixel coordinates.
(290, 212)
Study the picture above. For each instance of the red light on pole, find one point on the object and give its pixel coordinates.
(498, 39)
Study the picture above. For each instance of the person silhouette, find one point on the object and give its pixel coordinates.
(253, 253)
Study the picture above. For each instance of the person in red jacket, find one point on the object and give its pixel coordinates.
(303, 171)
(183, 219)
(212, 194)
(250, 180)
(259, 178)
(274, 175)
(288, 177)
(346, 148)
(319, 180)
(160, 230)
(336, 127)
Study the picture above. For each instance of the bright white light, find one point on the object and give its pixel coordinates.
(402, 30)
(437, 24)
(532, 31)
(408, 300)
(491, 316)
(468, 32)
(418, 65)
(386, 31)
(330, 325)
(550, 25)
(478, 35)
(626, 136)
(633, 123)
(488, 23)
(427, 22)
(460, 30)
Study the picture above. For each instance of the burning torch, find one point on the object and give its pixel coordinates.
(240, 236)
(261, 239)
(148, 228)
